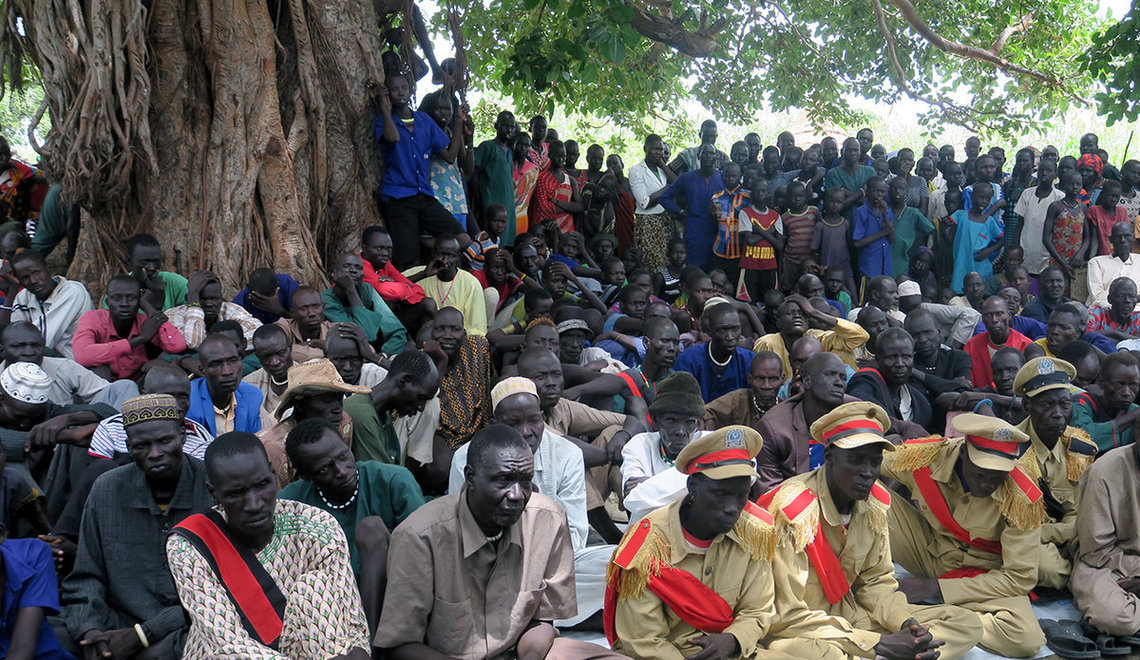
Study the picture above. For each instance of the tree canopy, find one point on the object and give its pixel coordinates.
(993, 67)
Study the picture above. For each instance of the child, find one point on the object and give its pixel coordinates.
(799, 229)
(978, 235)
(922, 271)
(1106, 213)
(667, 281)
(834, 281)
(944, 241)
(489, 238)
(831, 239)
(873, 230)
(613, 279)
(762, 231)
(986, 169)
(1130, 189)
(720, 282)
(1067, 236)
(725, 209)
(911, 226)
(602, 246)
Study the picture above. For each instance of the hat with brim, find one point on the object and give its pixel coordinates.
(722, 454)
(852, 425)
(313, 378)
(575, 324)
(1042, 374)
(991, 443)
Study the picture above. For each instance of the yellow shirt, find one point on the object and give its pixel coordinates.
(842, 340)
(224, 417)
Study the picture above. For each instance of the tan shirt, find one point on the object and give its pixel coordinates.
(273, 438)
(1055, 473)
(224, 417)
(269, 399)
(1109, 516)
(733, 408)
(1012, 573)
(302, 351)
(469, 598)
(579, 420)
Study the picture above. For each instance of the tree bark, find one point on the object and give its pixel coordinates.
(236, 131)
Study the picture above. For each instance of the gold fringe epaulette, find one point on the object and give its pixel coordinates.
(878, 504)
(1080, 451)
(1022, 504)
(914, 453)
(798, 525)
(638, 557)
(756, 532)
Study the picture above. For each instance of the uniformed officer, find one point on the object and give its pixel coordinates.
(973, 539)
(697, 575)
(1063, 454)
(836, 516)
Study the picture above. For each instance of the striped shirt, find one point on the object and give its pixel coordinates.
(799, 229)
(110, 438)
(727, 245)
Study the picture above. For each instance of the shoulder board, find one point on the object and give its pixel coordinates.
(795, 510)
(881, 494)
(1080, 451)
(1023, 503)
(756, 532)
(915, 453)
(637, 558)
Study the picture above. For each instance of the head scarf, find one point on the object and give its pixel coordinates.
(1091, 160)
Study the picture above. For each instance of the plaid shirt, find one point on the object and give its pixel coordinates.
(727, 245)
(1099, 321)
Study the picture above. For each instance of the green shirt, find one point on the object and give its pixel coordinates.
(1089, 416)
(378, 321)
(907, 225)
(175, 290)
(387, 491)
(373, 436)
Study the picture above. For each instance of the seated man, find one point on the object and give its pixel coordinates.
(349, 300)
(163, 289)
(219, 400)
(315, 391)
(70, 382)
(305, 603)
(882, 294)
(938, 369)
(1063, 454)
(889, 386)
(52, 304)
(120, 598)
(1106, 555)
(647, 482)
(495, 531)
(599, 434)
(746, 406)
(308, 328)
(266, 296)
(1110, 417)
(120, 339)
(955, 324)
(995, 314)
(838, 514)
(395, 421)
(368, 500)
(695, 578)
(792, 318)
(973, 541)
(1118, 318)
(449, 286)
(379, 273)
(275, 353)
(1119, 264)
(354, 358)
(559, 473)
(205, 307)
(719, 365)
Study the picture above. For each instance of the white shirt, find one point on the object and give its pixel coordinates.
(894, 314)
(1106, 268)
(57, 316)
(1032, 211)
(641, 457)
(559, 473)
(643, 182)
(71, 382)
(954, 323)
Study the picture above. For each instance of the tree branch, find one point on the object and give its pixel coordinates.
(672, 33)
(969, 52)
(1020, 26)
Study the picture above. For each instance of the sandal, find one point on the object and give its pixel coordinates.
(1108, 645)
(1066, 639)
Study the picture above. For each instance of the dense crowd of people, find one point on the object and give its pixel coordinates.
(820, 401)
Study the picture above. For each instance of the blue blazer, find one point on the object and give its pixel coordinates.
(247, 416)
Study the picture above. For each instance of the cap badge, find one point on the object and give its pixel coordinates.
(1046, 367)
(1003, 435)
(734, 439)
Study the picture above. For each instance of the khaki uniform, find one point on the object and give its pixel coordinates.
(928, 550)
(1061, 469)
(737, 566)
(873, 606)
(570, 418)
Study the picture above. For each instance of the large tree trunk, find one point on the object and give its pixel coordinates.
(236, 131)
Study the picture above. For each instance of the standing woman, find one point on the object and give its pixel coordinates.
(556, 196)
(525, 176)
(652, 225)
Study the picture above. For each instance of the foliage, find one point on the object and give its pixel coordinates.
(587, 56)
(1113, 59)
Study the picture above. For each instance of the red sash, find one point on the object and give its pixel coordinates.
(941, 511)
(635, 390)
(249, 586)
(689, 598)
(819, 551)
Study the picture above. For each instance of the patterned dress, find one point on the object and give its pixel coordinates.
(525, 177)
(1068, 231)
(465, 393)
(552, 187)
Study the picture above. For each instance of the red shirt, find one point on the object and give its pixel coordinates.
(399, 289)
(96, 343)
(981, 350)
